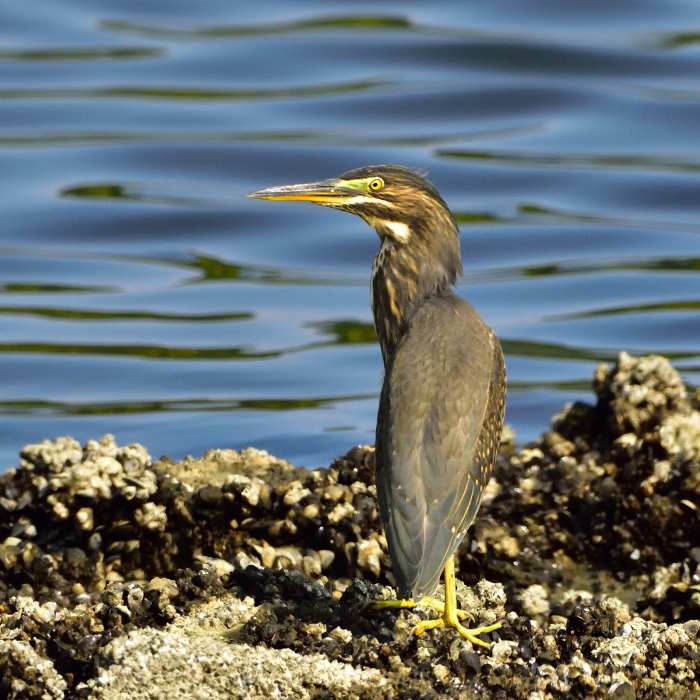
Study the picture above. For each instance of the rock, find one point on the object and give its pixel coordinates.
(220, 566)
(590, 531)
(33, 676)
(294, 493)
(534, 600)
(368, 553)
(207, 668)
(504, 651)
(619, 650)
(639, 392)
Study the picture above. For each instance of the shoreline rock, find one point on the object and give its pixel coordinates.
(239, 575)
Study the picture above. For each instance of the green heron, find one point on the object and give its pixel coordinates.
(443, 396)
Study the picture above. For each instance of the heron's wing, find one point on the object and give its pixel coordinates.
(440, 419)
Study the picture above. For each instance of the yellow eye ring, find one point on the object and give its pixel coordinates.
(376, 184)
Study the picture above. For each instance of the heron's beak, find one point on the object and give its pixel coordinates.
(323, 192)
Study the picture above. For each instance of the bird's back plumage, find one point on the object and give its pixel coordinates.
(440, 419)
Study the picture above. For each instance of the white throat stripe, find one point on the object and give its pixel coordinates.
(399, 230)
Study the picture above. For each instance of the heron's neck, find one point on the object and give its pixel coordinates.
(402, 280)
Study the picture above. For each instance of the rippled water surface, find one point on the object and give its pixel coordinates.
(142, 294)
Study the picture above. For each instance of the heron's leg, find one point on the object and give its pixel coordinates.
(450, 616)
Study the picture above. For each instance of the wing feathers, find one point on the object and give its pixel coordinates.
(440, 417)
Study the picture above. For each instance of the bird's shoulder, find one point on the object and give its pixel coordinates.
(447, 337)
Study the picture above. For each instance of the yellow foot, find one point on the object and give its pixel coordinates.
(470, 634)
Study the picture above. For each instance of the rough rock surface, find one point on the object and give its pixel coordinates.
(154, 660)
(239, 575)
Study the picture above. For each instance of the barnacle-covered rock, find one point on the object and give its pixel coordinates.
(638, 393)
(586, 548)
(28, 674)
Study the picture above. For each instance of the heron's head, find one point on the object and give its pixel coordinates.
(402, 206)
(419, 255)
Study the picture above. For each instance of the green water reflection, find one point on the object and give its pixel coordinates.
(131, 193)
(187, 93)
(348, 22)
(88, 315)
(320, 137)
(99, 53)
(344, 333)
(631, 309)
(575, 160)
(29, 288)
(191, 405)
(39, 408)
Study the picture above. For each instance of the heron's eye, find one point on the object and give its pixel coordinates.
(376, 184)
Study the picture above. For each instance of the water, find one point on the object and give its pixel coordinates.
(142, 294)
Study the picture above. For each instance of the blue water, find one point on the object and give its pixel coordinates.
(142, 294)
